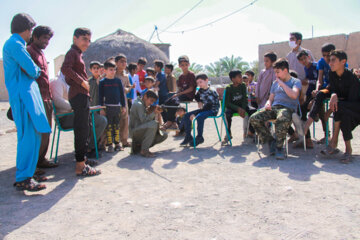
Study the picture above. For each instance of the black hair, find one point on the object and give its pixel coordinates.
(170, 66)
(251, 72)
(149, 78)
(339, 54)
(245, 76)
(42, 30)
(327, 47)
(93, 63)
(82, 32)
(234, 73)
(109, 64)
(293, 74)
(142, 61)
(271, 55)
(281, 63)
(181, 108)
(132, 66)
(150, 69)
(151, 94)
(183, 58)
(201, 75)
(119, 57)
(297, 35)
(159, 63)
(302, 53)
(21, 22)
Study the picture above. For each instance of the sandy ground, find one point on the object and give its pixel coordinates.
(212, 192)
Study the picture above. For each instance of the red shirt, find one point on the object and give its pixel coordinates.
(43, 81)
(186, 81)
(141, 74)
(74, 71)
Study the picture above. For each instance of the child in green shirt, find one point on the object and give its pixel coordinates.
(236, 100)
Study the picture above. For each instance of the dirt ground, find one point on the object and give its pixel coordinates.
(214, 192)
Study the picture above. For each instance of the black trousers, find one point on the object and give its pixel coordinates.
(169, 113)
(229, 114)
(80, 105)
(349, 115)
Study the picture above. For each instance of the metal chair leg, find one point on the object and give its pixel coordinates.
(226, 129)
(194, 139)
(94, 133)
(217, 129)
(57, 147)
(53, 139)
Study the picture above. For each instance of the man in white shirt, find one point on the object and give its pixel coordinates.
(294, 64)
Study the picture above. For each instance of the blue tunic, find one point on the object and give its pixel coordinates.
(26, 104)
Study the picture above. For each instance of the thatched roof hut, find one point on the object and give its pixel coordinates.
(126, 43)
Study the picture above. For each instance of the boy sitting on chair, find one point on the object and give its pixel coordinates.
(208, 101)
(282, 103)
(236, 100)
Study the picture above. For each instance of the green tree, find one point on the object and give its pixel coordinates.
(231, 63)
(254, 66)
(214, 69)
(196, 68)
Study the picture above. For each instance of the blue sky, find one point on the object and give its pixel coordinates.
(240, 34)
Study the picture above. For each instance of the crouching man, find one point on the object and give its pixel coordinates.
(282, 103)
(144, 129)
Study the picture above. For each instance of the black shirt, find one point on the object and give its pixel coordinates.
(346, 86)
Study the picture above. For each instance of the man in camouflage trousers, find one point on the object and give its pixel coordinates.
(282, 103)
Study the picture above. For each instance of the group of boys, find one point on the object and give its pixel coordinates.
(145, 104)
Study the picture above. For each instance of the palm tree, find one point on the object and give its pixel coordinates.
(196, 68)
(254, 66)
(214, 69)
(232, 63)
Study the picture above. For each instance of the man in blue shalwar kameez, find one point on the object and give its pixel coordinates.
(25, 101)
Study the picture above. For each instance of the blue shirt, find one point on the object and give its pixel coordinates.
(322, 65)
(21, 84)
(312, 75)
(163, 90)
(130, 94)
(281, 98)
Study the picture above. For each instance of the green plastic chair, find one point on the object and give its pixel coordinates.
(60, 129)
(221, 115)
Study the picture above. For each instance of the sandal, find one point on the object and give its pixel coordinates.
(329, 151)
(39, 172)
(346, 158)
(29, 185)
(125, 145)
(88, 172)
(47, 164)
(91, 162)
(40, 178)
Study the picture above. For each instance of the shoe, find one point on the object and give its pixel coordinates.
(118, 148)
(199, 140)
(272, 147)
(280, 154)
(110, 149)
(127, 144)
(187, 140)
